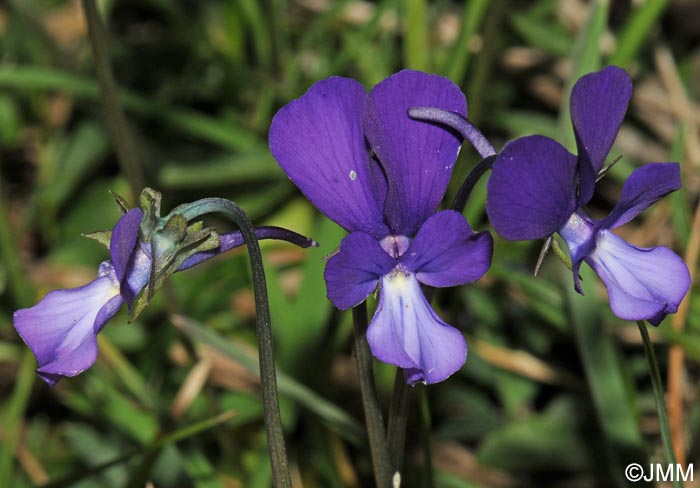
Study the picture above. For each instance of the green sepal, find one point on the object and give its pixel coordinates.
(104, 237)
(171, 246)
(121, 201)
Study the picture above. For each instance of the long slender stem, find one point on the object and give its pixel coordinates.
(268, 378)
(116, 121)
(660, 401)
(470, 182)
(426, 427)
(370, 401)
(398, 418)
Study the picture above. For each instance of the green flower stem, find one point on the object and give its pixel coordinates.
(116, 121)
(268, 378)
(660, 400)
(426, 427)
(398, 418)
(370, 400)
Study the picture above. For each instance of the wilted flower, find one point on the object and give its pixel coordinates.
(364, 163)
(61, 330)
(538, 188)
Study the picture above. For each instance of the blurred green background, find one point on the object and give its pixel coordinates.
(555, 391)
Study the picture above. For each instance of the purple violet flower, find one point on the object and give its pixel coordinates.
(364, 163)
(61, 330)
(538, 188)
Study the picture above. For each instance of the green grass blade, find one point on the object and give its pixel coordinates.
(611, 395)
(415, 46)
(636, 31)
(585, 58)
(458, 61)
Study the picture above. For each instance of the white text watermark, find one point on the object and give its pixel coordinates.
(659, 472)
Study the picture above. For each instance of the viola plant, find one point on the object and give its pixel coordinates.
(381, 176)
(61, 330)
(538, 188)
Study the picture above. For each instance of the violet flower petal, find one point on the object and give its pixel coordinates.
(598, 104)
(353, 273)
(532, 189)
(234, 239)
(405, 331)
(124, 237)
(642, 283)
(418, 157)
(61, 330)
(318, 140)
(644, 187)
(446, 252)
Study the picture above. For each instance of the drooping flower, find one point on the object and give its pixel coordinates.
(61, 330)
(538, 188)
(364, 163)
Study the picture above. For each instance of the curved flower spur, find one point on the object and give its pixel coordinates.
(380, 175)
(61, 330)
(538, 188)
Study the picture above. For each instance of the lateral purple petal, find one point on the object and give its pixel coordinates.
(418, 157)
(61, 330)
(124, 237)
(318, 140)
(446, 252)
(532, 189)
(644, 187)
(406, 332)
(234, 239)
(354, 271)
(598, 104)
(643, 284)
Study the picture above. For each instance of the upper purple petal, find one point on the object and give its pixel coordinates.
(124, 237)
(446, 252)
(318, 140)
(61, 330)
(598, 104)
(644, 187)
(354, 271)
(405, 331)
(643, 284)
(532, 189)
(418, 157)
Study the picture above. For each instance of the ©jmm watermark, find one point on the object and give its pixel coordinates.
(659, 472)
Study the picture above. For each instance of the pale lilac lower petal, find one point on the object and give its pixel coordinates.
(61, 330)
(354, 271)
(642, 283)
(406, 332)
(446, 252)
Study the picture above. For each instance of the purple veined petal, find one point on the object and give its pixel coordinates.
(598, 104)
(234, 239)
(446, 252)
(418, 157)
(124, 237)
(353, 273)
(642, 283)
(61, 330)
(137, 275)
(644, 187)
(532, 188)
(406, 332)
(318, 140)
